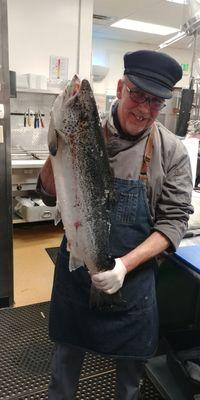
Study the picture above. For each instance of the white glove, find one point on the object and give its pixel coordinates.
(110, 281)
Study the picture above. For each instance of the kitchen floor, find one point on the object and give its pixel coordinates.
(33, 268)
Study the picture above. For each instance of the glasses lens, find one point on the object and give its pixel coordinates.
(156, 105)
(140, 97)
(137, 96)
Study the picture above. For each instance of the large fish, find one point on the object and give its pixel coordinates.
(84, 182)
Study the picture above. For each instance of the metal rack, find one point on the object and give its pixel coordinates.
(29, 144)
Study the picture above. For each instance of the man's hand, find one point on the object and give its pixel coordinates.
(110, 281)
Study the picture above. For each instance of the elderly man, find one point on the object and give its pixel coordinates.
(152, 177)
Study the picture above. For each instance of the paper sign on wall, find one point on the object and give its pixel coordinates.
(58, 68)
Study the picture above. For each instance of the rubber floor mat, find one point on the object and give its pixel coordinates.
(25, 354)
(52, 252)
(25, 351)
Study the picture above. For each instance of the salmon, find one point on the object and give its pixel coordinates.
(84, 181)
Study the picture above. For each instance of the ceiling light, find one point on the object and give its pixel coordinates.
(179, 1)
(140, 26)
(174, 39)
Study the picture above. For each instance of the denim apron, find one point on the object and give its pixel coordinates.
(133, 331)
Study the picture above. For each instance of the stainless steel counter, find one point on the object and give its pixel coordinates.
(27, 163)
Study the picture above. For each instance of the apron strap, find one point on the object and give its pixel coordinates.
(147, 156)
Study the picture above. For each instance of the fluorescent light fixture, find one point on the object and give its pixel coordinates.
(179, 1)
(140, 26)
(174, 39)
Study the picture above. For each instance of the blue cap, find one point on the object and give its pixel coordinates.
(153, 72)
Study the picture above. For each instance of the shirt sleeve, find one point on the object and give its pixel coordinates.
(47, 198)
(174, 205)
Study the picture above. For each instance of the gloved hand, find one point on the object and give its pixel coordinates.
(110, 281)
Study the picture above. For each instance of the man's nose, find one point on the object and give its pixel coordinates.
(146, 105)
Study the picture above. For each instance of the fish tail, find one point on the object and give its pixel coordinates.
(102, 301)
(74, 262)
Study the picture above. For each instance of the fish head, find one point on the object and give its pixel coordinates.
(80, 111)
(58, 113)
(88, 103)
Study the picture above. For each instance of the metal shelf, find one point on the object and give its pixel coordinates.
(38, 91)
(18, 220)
(21, 164)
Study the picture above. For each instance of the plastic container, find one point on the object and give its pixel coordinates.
(32, 210)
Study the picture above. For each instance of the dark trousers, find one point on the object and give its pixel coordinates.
(66, 368)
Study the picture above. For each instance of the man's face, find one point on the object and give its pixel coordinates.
(134, 116)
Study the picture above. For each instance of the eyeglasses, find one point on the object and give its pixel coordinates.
(139, 97)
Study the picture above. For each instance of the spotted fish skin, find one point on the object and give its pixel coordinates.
(83, 179)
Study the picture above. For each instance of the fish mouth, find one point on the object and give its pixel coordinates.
(78, 104)
(85, 86)
(86, 97)
(78, 88)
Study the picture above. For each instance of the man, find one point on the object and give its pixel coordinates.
(152, 178)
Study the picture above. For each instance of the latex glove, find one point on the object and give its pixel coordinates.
(110, 281)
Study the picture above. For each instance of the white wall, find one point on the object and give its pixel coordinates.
(40, 28)
(47, 27)
(110, 53)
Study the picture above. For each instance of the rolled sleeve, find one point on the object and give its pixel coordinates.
(174, 206)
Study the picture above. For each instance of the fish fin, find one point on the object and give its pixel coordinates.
(74, 262)
(57, 217)
(104, 302)
(52, 137)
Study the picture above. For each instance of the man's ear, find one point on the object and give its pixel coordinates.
(119, 89)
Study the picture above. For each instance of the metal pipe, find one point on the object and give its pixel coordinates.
(79, 34)
(193, 60)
